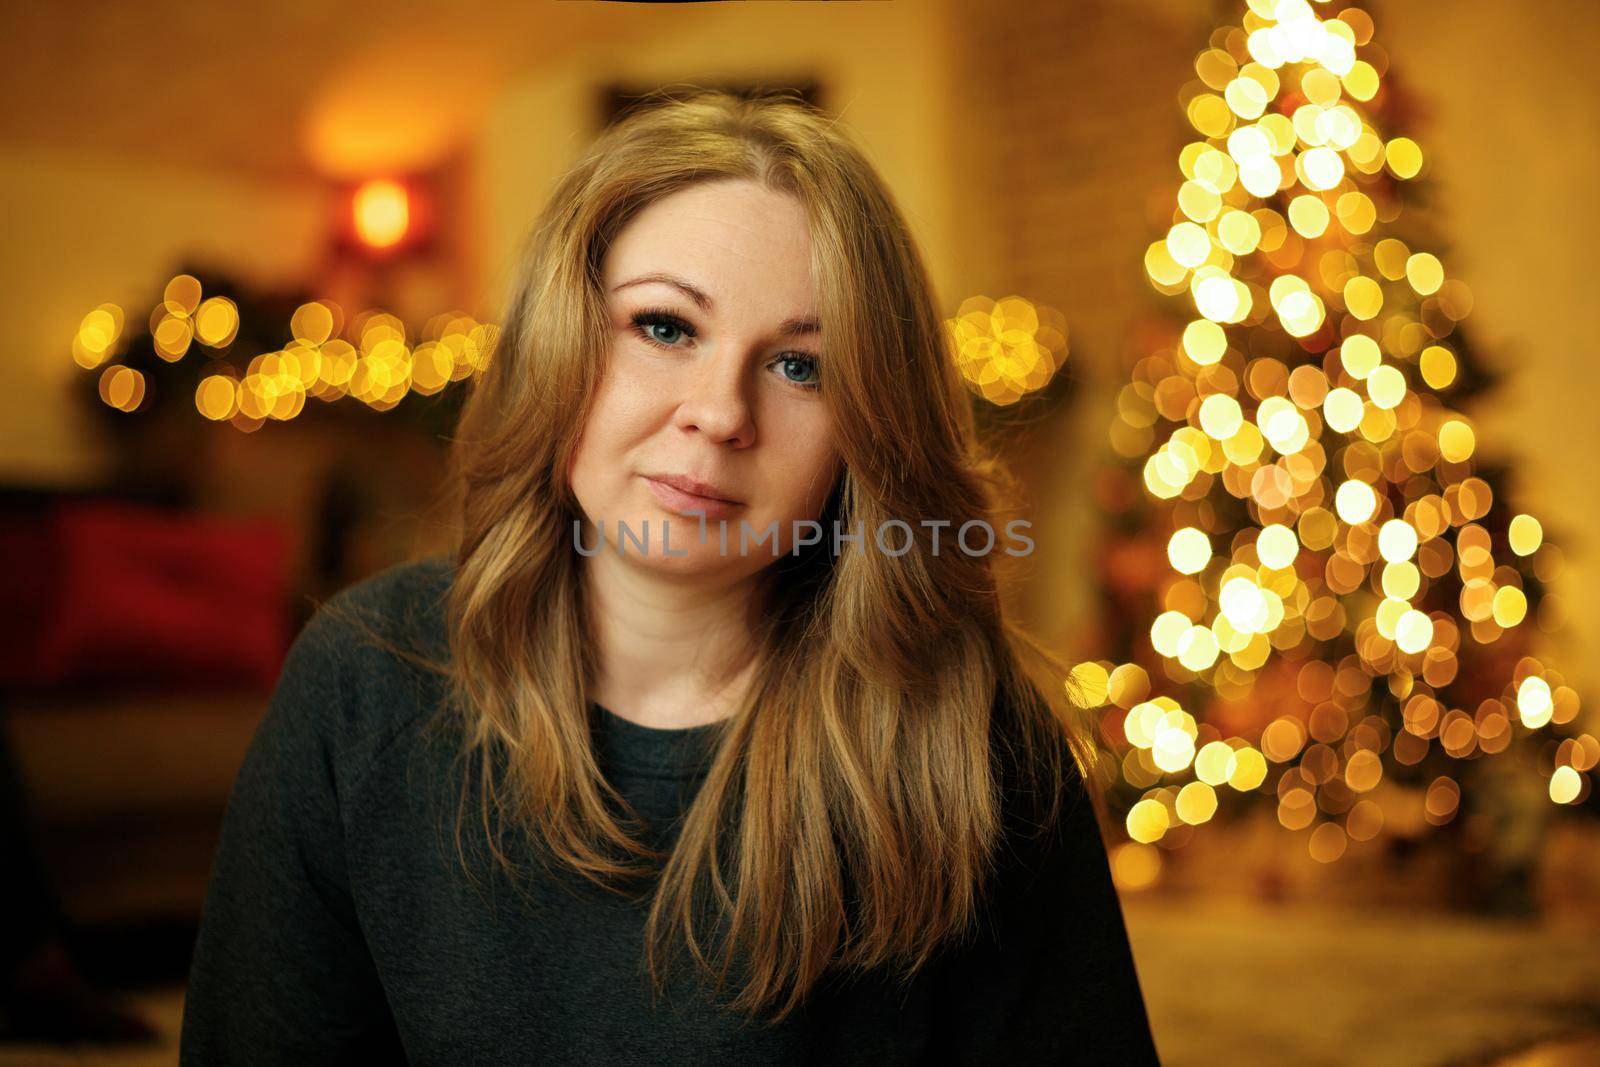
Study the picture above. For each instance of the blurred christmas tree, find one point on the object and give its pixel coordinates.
(1318, 595)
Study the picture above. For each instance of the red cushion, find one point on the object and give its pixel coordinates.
(125, 595)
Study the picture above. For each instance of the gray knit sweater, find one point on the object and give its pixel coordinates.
(340, 927)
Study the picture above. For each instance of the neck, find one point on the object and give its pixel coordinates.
(671, 652)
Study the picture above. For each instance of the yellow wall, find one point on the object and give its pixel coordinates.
(880, 65)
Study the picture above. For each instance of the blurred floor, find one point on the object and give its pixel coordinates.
(1247, 985)
(1579, 1051)
(161, 1006)
(1254, 984)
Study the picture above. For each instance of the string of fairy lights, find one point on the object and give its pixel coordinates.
(1331, 565)
(1004, 349)
(378, 365)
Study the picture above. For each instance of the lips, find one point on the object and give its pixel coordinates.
(705, 490)
(683, 502)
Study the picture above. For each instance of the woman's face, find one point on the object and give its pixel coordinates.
(714, 357)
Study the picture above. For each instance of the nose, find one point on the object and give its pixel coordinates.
(715, 403)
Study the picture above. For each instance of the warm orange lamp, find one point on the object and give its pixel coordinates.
(381, 213)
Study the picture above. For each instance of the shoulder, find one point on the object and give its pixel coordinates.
(369, 624)
(401, 602)
(1048, 809)
(354, 676)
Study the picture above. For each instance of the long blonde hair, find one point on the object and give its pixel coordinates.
(852, 807)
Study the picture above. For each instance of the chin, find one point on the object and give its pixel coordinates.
(690, 556)
(698, 563)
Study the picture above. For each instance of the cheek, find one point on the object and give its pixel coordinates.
(591, 442)
(811, 472)
(618, 418)
(629, 392)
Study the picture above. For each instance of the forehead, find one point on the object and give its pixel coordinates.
(731, 238)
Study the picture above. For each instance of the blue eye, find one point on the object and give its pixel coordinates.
(807, 363)
(661, 326)
(646, 323)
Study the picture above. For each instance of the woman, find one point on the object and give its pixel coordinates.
(827, 772)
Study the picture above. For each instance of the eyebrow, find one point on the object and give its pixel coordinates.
(788, 328)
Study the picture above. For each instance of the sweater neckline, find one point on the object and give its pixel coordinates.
(669, 752)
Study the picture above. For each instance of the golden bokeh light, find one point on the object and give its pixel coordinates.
(122, 388)
(1147, 821)
(1525, 535)
(217, 397)
(1135, 865)
(98, 336)
(182, 295)
(216, 323)
(1007, 348)
(1091, 684)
